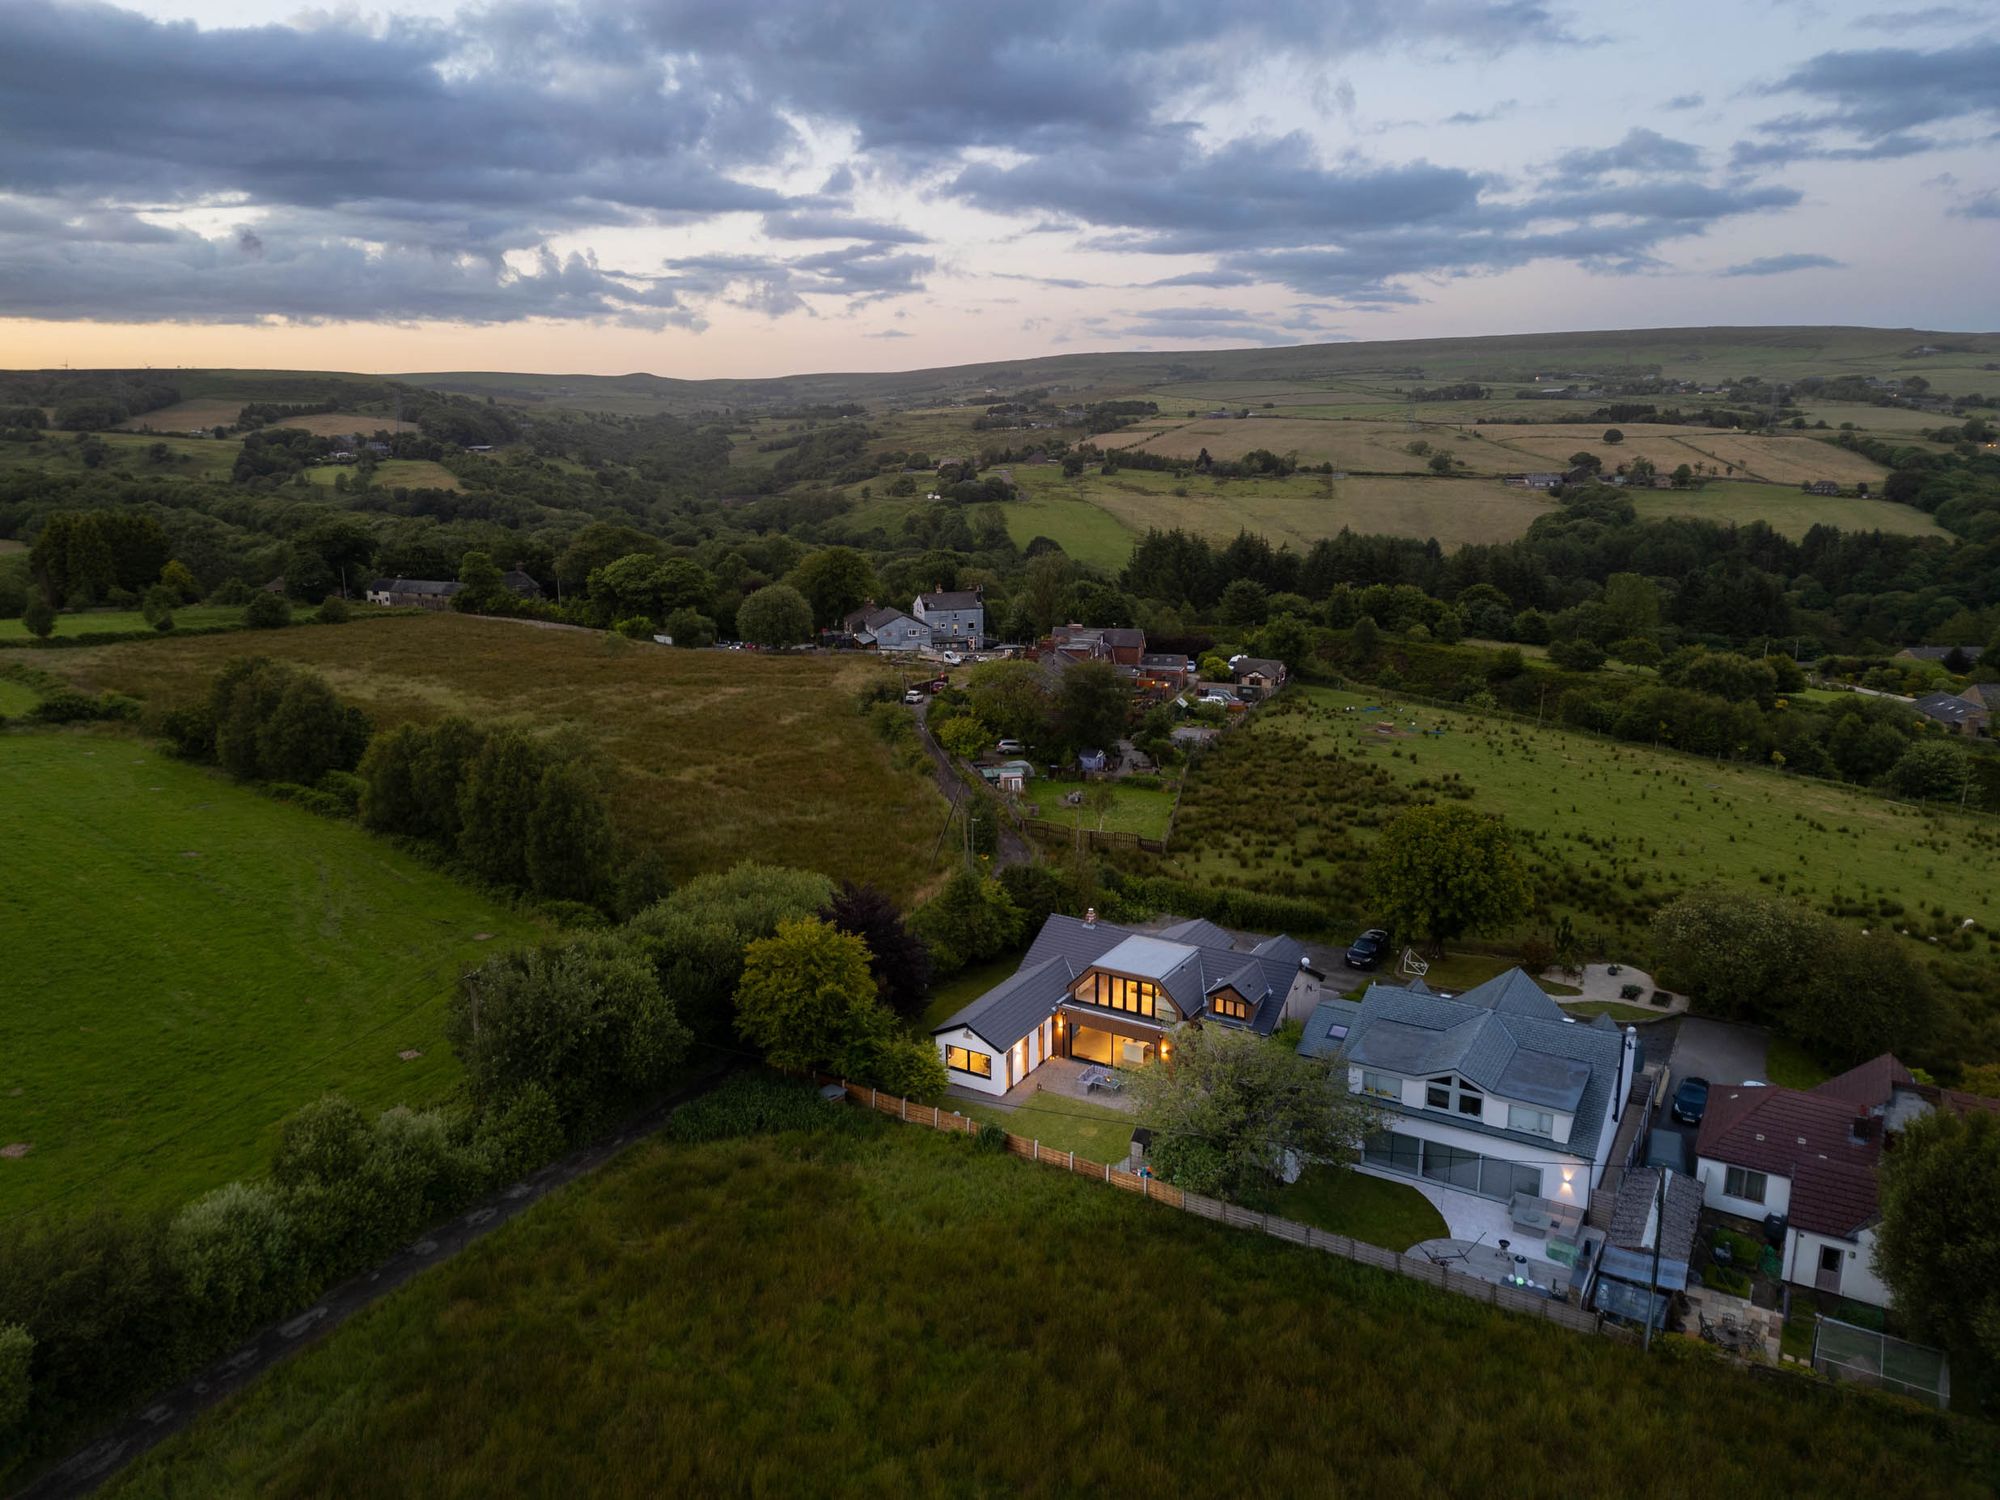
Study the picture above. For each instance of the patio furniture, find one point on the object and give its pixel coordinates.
(1529, 1214)
(1094, 1078)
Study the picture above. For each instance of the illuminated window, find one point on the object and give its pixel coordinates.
(1138, 997)
(965, 1060)
(1229, 1003)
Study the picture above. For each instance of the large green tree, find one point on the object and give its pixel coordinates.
(775, 616)
(1092, 702)
(569, 835)
(1234, 1113)
(807, 996)
(835, 581)
(496, 804)
(1938, 1249)
(1011, 698)
(1442, 871)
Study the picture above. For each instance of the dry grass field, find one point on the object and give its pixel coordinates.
(1305, 508)
(184, 416)
(717, 756)
(1779, 459)
(1362, 446)
(344, 423)
(394, 473)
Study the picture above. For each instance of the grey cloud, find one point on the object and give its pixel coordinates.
(1982, 205)
(887, 333)
(1483, 116)
(1890, 91)
(1686, 101)
(195, 279)
(776, 285)
(1642, 150)
(1778, 265)
(1910, 20)
(807, 224)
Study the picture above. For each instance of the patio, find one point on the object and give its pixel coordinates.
(1063, 1076)
(1487, 1261)
(1478, 1226)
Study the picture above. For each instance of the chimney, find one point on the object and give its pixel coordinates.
(1090, 916)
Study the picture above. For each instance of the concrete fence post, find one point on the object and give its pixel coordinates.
(871, 1097)
(906, 1111)
(1072, 1161)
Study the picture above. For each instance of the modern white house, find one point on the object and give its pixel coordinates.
(1106, 994)
(1810, 1158)
(955, 617)
(1495, 1092)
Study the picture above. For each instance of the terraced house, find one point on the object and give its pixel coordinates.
(1495, 1092)
(954, 617)
(1106, 994)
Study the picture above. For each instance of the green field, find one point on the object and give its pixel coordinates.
(1785, 508)
(96, 621)
(16, 698)
(1609, 828)
(888, 1311)
(127, 453)
(188, 962)
(391, 474)
(1132, 810)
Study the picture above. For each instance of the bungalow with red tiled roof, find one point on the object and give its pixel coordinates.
(1808, 1159)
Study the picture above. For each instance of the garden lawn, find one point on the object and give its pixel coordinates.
(1137, 810)
(716, 756)
(892, 1311)
(187, 962)
(91, 622)
(1339, 1200)
(1096, 1132)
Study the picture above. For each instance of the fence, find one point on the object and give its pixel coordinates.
(1417, 1268)
(1096, 838)
(1843, 1351)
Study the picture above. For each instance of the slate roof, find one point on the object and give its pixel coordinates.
(1506, 1036)
(1869, 1086)
(1807, 1137)
(875, 617)
(1187, 967)
(952, 599)
(521, 583)
(1939, 653)
(1949, 708)
(1242, 666)
(440, 586)
(1633, 1207)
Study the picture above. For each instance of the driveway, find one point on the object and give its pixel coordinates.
(1716, 1050)
(1013, 849)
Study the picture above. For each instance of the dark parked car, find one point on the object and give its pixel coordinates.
(1691, 1100)
(1368, 950)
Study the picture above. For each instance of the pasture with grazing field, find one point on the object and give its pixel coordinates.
(188, 962)
(1356, 446)
(1294, 803)
(391, 474)
(1785, 508)
(717, 756)
(884, 1309)
(1777, 459)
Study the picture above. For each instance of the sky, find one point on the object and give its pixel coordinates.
(759, 187)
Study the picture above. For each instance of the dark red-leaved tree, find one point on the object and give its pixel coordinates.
(897, 958)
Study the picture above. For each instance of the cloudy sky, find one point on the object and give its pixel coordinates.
(751, 187)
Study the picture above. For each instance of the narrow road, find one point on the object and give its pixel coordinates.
(170, 1411)
(1012, 848)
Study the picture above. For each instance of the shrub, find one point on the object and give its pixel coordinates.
(69, 707)
(992, 1138)
(39, 618)
(233, 1250)
(333, 610)
(17, 1348)
(233, 591)
(1537, 953)
(759, 1104)
(267, 611)
(1727, 1279)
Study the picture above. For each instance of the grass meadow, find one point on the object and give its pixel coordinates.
(392, 473)
(717, 756)
(1294, 802)
(1787, 509)
(91, 622)
(889, 1311)
(187, 962)
(130, 453)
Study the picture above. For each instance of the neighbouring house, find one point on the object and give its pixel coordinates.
(1806, 1161)
(1970, 654)
(1822, 487)
(1123, 645)
(426, 593)
(1537, 481)
(1106, 994)
(885, 629)
(520, 585)
(1166, 670)
(955, 617)
(1494, 1093)
(380, 450)
(1960, 713)
(1256, 677)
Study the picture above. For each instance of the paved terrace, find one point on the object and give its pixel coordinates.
(1059, 1075)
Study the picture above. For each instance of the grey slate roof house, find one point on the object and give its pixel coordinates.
(1939, 653)
(520, 585)
(1495, 1092)
(956, 617)
(1106, 994)
(1256, 677)
(427, 593)
(1960, 714)
(887, 629)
